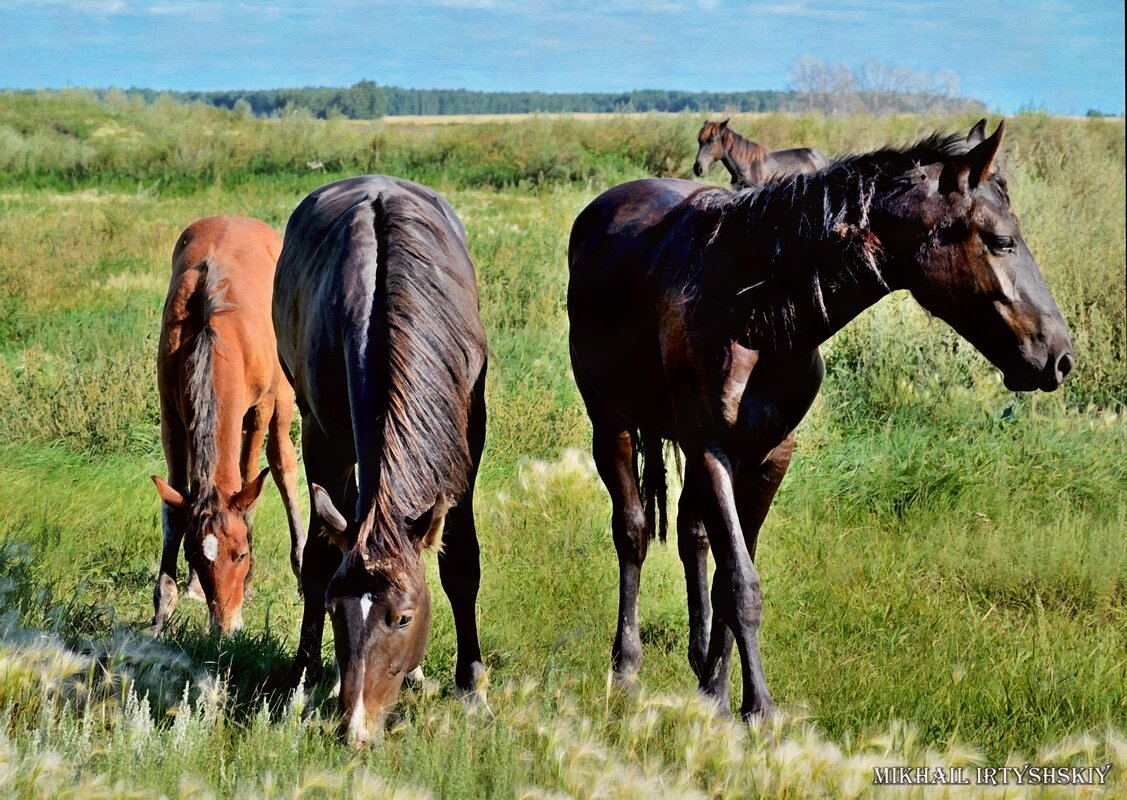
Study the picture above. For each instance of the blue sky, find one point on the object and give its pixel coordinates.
(1066, 57)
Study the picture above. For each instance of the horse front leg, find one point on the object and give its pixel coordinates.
(174, 439)
(321, 557)
(459, 565)
(737, 596)
(613, 449)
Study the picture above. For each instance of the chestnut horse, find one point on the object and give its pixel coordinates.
(221, 388)
(375, 304)
(749, 163)
(696, 315)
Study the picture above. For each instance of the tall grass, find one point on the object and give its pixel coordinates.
(944, 568)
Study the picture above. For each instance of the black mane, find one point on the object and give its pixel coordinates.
(806, 226)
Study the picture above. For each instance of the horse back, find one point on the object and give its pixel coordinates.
(375, 290)
(624, 252)
(222, 278)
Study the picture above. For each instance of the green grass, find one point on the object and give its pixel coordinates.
(944, 570)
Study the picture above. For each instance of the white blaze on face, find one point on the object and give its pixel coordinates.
(210, 547)
(358, 722)
(365, 605)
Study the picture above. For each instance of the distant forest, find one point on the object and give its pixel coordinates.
(367, 100)
(817, 86)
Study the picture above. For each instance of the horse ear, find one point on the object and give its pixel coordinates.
(333, 523)
(977, 133)
(169, 495)
(426, 529)
(246, 497)
(981, 159)
(724, 124)
(978, 164)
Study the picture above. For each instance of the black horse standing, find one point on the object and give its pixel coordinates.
(696, 316)
(376, 312)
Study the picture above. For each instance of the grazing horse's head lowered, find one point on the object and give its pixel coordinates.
(222, 393)
(379, 605)
(217, 545)
(376, 312)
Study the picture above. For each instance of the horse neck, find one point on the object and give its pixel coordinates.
(799, 261)
(741, 156)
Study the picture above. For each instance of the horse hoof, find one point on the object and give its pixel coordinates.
(305, 674)
(721, 701)
(624, 679)
(164, 602)
(195, 591)
(415, 677)
(477, 705)
(763, 715)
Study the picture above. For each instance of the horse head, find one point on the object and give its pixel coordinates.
(380, 608)
(711, 146)
(217, 544)
(952, 239)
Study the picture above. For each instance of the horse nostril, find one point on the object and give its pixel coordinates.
(1064, 365)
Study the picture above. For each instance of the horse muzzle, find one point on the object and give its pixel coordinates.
(1048, 378)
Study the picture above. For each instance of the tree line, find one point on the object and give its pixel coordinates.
(875, 87)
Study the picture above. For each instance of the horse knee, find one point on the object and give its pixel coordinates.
(692, 541)
(631, 537)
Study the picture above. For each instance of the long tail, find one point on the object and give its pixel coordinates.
(651, 482)
(207, 301)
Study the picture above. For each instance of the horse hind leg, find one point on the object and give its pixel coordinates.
(754, 488)
(613, 449)
(692, 546)
(737, 597)
(282, 459)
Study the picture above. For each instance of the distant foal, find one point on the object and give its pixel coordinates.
(750, 163)
(221, 388)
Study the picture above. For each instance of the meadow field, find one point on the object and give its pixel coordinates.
(944, 569)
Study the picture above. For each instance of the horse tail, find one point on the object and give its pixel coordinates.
(207, 301)
(652, 484)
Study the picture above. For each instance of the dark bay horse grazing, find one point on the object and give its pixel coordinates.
(375, 304)
(221, 389)
(696, 315)
(749, 163)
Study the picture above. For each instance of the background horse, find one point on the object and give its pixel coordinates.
(221, 388)
(696, 317)
(375, 304)
(750, 164)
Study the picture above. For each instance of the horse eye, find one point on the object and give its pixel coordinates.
(242, 557)
(999, 244)
(405, 620)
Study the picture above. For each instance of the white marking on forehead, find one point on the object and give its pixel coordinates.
(365, 605)
(210, 547)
